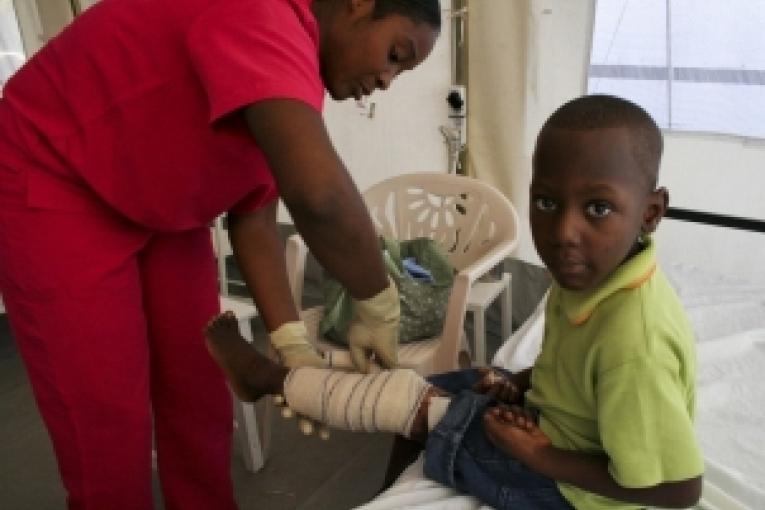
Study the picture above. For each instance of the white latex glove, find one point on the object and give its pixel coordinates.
(291, 343)
(375, 329)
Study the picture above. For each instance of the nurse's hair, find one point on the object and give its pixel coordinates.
(600, 111)
(419, 11)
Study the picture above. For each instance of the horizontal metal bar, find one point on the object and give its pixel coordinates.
(718, 220)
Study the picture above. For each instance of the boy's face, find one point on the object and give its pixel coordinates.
(589, 203)
(360, 54)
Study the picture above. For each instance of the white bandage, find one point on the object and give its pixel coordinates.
(383, 402)
(436, 410)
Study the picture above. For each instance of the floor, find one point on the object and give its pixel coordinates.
(302, 473)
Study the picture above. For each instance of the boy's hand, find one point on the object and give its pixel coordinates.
(306, 425)
(514, 431)
(498, 386)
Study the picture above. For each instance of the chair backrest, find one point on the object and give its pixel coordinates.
(466, 217)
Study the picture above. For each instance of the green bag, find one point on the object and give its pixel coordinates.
(423, 304)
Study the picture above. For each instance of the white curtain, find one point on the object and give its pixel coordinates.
(526, 58)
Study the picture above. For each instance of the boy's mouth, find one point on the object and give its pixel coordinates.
(569, 267)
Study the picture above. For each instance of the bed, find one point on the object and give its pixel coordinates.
(728, 316)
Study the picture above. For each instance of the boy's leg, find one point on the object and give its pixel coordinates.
(458, 452)
(71, 287)
(389, 401)
(193, 412)
(405, 451)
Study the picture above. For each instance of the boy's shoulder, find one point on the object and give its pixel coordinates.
(645, 323)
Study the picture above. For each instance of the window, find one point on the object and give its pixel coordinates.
(694, 66)
(11, 47)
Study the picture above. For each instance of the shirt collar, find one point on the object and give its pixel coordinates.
(579, 305)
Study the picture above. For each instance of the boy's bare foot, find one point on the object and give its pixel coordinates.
(250, 374)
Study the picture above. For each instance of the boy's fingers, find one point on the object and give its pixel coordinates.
(504, 390)
(493, 413)
(306, 425)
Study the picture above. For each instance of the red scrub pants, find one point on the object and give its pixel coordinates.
(108, 318)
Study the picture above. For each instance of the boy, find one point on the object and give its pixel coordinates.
(610, 400)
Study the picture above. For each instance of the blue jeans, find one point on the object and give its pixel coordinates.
(459, 454)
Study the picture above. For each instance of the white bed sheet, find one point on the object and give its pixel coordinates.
(731, 415)
(728, 317)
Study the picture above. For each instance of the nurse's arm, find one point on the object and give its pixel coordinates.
(320, 195)
(259, 254)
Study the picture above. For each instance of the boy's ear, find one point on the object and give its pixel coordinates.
(656, 207)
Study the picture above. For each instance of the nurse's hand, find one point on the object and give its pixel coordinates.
(375, 329)
(291, 343)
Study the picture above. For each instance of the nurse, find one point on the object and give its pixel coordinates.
(120, 141)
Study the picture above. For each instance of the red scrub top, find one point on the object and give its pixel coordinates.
(135, 105)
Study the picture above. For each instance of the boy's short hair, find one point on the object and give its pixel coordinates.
(599, 111)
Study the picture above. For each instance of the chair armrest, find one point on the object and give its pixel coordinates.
(489, 260)
(296, 252)
(446, 355)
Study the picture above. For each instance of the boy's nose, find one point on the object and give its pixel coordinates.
(567, 230)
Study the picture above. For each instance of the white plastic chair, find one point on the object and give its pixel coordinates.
(251, 420)
(474, 223)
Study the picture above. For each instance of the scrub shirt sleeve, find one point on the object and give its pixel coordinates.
(249, 50)
(255, 200)
(645, 424)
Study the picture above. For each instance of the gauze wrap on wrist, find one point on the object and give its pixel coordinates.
(383, 402)
(291, 342)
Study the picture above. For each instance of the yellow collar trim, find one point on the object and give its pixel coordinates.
(578, 321)
(580, 305)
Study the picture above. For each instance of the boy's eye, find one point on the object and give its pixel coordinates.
(393, 56)
(599, 209)
(545, 204)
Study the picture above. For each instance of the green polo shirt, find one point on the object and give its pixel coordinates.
(616, 375)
